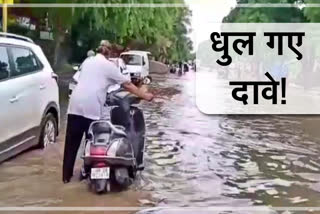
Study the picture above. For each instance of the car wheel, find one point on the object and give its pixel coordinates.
(48, 133)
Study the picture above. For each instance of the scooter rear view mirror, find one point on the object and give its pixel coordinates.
(147, 80)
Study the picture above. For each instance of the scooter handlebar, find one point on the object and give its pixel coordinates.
(120, 96)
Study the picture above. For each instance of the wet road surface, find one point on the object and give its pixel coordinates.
(191, 159)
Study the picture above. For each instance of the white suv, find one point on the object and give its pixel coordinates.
(29, 96)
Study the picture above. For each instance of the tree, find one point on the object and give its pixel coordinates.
(312, 14)
(282, 15)
(161, 30)
(59, 18)
(266, 14)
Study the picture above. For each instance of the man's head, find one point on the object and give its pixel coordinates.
(90, 53)
(104, 48)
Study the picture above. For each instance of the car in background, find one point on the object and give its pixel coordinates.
(118, 62)
(138, 64)
(29, 95)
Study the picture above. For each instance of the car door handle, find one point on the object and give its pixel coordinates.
(14, 99)
(42, 87)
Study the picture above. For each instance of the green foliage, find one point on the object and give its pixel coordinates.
(162, 30)
(284, 15)
(312, 13)
(266, 14)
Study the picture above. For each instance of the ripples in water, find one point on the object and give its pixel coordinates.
(229, 160)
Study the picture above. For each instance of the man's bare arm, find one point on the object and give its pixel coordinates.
(136, 91)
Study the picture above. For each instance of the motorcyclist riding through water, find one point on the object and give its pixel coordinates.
(88, 99)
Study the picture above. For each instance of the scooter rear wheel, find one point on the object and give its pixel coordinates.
(100, 185)
(108, 186)
(82, 175)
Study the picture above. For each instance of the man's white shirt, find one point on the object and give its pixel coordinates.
(96, 77)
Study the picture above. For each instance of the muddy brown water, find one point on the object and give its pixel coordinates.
(192, 160)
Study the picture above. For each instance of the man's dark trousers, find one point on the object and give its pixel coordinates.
(76, 127)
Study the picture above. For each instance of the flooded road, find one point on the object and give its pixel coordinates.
(229, 161)
(192, 159)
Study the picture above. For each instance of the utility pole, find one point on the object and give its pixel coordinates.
(5, 14)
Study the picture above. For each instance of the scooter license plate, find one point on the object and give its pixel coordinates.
(100, 173)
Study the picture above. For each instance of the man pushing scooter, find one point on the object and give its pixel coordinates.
(88, 99)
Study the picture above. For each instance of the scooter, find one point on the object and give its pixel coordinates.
(114, 149)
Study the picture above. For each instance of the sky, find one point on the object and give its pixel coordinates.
(205, 11)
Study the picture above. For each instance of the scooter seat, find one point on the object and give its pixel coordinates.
(102, 131)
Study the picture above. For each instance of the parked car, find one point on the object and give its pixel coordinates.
(29, 97)
(138, 65)
(118, 62)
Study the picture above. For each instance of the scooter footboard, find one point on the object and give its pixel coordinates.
(140, 129)
(138, 119)
(136, 131)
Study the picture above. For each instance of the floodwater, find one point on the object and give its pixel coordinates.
(192, 160)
